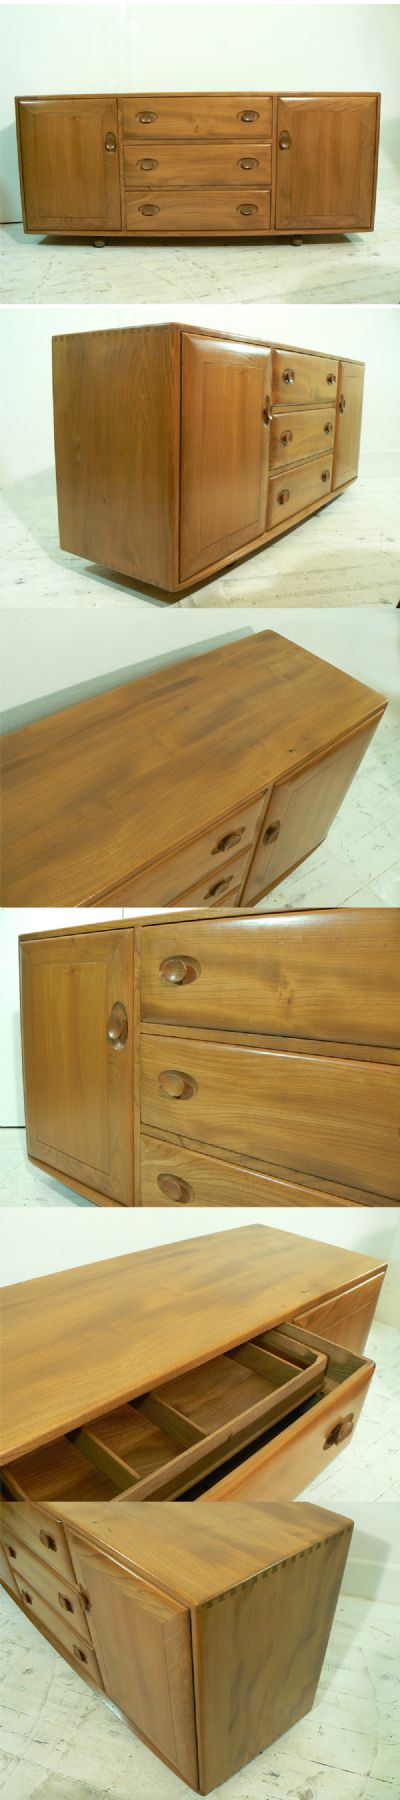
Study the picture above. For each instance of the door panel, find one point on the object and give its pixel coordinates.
(312, 1115)
(348, 423)
(70, 177)
(300, 813)
(79, 1081)
(143, 1645)
(225, 448)
(325, 162)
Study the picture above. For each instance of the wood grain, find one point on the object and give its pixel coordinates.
(224, 473)
(70, 180)
(347, 1318)
(150, 211)
(196, 116)
(327, 171)
(300, 812)
(298, 487)
(196, 164)
(301, 432)
(175, 1176)
(348, 425)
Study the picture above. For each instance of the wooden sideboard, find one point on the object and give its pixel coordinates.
(198, 165)
(180, 450)
(220, 1367)
(153, 1608)
(215, 1058)
(206, 781)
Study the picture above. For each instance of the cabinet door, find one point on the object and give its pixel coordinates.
(225, 448)
(70, 164)
(142, 1641)
(326, 162)
(348, 423)
(300, 813)
(78, 1079)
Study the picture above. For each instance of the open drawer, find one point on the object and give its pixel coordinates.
(176, 1438)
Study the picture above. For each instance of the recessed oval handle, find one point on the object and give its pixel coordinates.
(178, 971)
(218, 887)
(247, 209)
(272, 832)
(286, 437)
(328, 427)
(49, 1542)
(267, 414)
(343, 1429)
(248, 117)
(148, 162)
(285, 140)
(11, 1552)
(80, 1654)
(117, 1025)
(148, 210)
(175, 1189)
(110, 141)
(26, 1597)
(331, 380)
(228, 843)
(248, 162)
(176, 1085)
(289, 377)
(66, 1603)
(342, 404)
(146, 118)
(283, 496)
(325, 475)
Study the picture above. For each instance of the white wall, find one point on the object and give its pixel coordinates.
(61, 49)
(367, 332)
(373, 1566)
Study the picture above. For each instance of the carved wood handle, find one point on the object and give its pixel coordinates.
(178, 971)
(117, 1027)
(328, 427)
(248, 162)
(110, 141)
(50, 1542)
(146, 118)
(283, 496)
(65, 1603)
(248, 208)
(148, 210)
(286, 437)
(176, 1085)
(248, 117)
(175, 1189)
(289, 377)
(340, 1431)
(342, 404)
(80, 1654)
(285, 140)
(228, 842)
(272, 832)
(148, 162)
(331, 380)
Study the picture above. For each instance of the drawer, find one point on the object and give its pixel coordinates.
(215, 889)
(298, 434)
(209, 1426)
(173, 1176)
(345, 1318)
(299, 378)
(241, 116)
(57, 1472)
(208, 210)
(6, 1574)
(161, 883)
(37, 1532)
(292, 491)
(62, 1634)
(312, 1115)
(197, 164)
(30, 1572)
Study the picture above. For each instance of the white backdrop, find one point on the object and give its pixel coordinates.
(90, 49)
(367, 332)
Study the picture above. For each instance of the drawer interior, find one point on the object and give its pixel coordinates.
(157, 1445)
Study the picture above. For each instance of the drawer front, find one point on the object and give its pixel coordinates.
(293, 490)
(191, 165)
(31, 1573)
(302, 379)
(37, 1532)
(300, 976)
(246, 117)
(296, 435)
(164, 881)
(158, 209)
(281, 1469)
(6, 1574)
(323, 1118)
(346, 1318)
(172, 1176)
(63, 1635)
(216, 888)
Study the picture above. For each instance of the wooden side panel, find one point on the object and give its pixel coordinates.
(143, 1645)
(300, 813)
(225, 448)
(326, 162)
(318, 1116)
(78, 1082)
(328, 976)
(348, 423)
(258, 1654)
(346, 1318)
(70, 178)
(116, 413)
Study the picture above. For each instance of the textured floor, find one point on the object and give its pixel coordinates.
(346, 555)
(346, 268)
(63, 1742)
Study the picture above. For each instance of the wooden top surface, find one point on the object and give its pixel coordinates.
(78, 1343)
(196, 1553)
(96, 792)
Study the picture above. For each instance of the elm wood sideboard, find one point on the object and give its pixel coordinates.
(198, 165)
(154, 1608)
(207, 780)
(199, 1375)
(180, 450)
(216, 1058)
